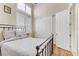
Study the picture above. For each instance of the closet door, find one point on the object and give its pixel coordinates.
(62, 30)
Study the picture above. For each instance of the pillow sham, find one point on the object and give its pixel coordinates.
(7, 34)
(21, 34)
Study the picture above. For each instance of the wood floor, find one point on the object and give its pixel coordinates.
(61, 52)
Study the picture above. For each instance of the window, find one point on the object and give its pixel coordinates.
(24, 8)
(28, 24)
(28, 10)
(21, 6)
(20, 19)
(23, 16)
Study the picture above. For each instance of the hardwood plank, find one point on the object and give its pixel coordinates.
(61, 52)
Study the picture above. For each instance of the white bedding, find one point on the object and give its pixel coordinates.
(21, 47)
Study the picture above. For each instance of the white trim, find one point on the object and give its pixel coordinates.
(75, 37)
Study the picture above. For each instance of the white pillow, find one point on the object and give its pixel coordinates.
(21, 34)
(7, 34)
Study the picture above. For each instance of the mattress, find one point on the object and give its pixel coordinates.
(21, 47)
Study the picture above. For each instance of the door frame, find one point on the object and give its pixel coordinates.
(73, 7)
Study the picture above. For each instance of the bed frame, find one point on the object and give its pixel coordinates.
(40, 52)
(13, 27)
(45, 47)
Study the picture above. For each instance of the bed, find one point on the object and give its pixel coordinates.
(26, 46)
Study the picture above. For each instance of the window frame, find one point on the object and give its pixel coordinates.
(24, 12)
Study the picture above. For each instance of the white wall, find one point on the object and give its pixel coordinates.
(43, 27)
(77, 26)
(7, 18)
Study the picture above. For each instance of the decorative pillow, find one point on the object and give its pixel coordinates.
(21, 34)
(7, 34)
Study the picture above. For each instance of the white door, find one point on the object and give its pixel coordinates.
(62, 30)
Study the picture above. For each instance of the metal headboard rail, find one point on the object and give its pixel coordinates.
(7, 25)
(4, 26)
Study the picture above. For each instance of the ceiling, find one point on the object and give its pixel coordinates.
(44, 9)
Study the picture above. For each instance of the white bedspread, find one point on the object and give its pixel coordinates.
(21, 47)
